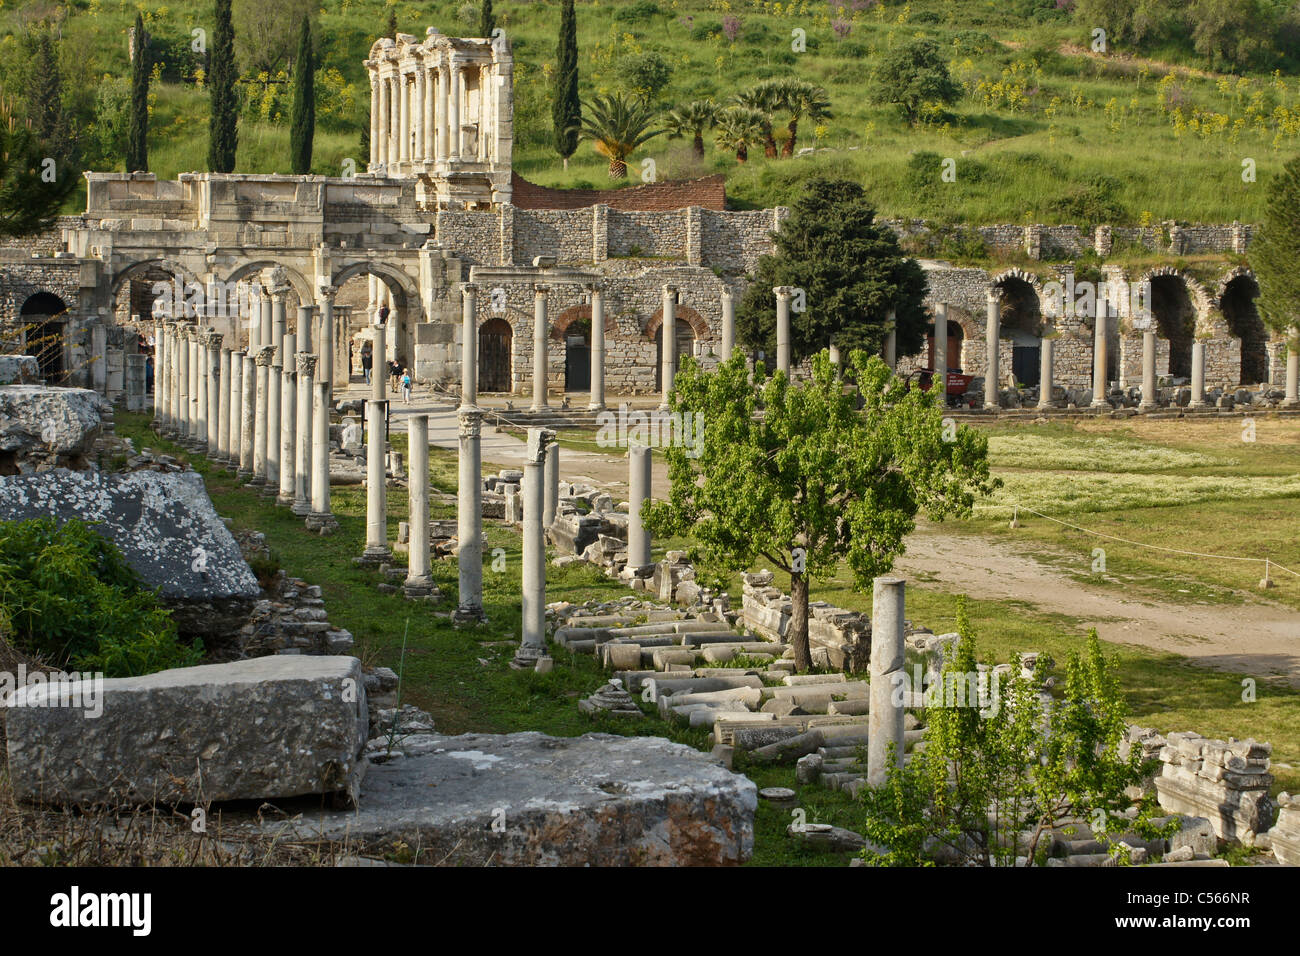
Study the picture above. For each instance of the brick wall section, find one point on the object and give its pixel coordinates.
(709, 192)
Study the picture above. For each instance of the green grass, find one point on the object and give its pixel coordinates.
(1079, 122)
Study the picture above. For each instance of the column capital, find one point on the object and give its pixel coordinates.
(265, 355)
(326, 293)
(993, 293)
(469, 289)
(213, 340)
(470, 418)
(306, 363)
(783, 291)
(541, 288)
(595, 287)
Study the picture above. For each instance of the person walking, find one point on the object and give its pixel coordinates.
(406, 386)
(367, 360)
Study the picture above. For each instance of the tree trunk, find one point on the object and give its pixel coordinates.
(566, 163)
(699, 145)
(798, 633)
(742, 154)
(617, 169)
(788, 148)
(769, 143)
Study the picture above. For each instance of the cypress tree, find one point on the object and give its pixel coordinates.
(487, 20)
(392, 20)
(45, 96)
(566, 113)
(1276, 250)
(223, 127)
(137, 140)
(303, 129)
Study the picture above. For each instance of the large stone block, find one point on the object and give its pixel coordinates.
(19, 370)
(165, 526)
(42, 427)
(598, 800)
(266, 728)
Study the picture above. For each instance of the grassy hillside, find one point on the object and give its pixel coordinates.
(1044, 131)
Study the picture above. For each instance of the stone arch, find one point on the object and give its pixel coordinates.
(683, 313)
(577, 313)
(127, 299)
(1235, 297)
(1022, 321)
(1179, 305)
(43, 322)
(163, 264)
(301, 286)
(406, 300)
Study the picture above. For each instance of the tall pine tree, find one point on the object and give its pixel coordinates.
(45, 97)
(566, 112)
(1276, 251)
(303, 129)
(223, 127)
(487, 21)
(137, 140)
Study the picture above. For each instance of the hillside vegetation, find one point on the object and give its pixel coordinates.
(1043, 129)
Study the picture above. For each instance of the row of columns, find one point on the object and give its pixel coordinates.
(417, 113)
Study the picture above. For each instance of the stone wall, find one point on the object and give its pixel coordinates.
(838, 638)
(1225, 782)
(709, 192)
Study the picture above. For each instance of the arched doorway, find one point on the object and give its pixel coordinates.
(1238, 307)
(577, 356)
(494, 339)
(1175, 316)
(685, 346)
(1022, 323)
(44, 334)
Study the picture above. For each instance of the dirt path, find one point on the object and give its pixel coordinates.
(1256, 638)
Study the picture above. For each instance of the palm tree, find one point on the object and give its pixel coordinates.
(617, 125)
(693, 119)
(803, 100)
(739, 128)
(768, 98)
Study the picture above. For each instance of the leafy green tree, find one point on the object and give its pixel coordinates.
(1002, 768)
(223, 125)
(303, 128)
(45, 111)
(566, 108)
(1232, 34)
(487, 21)
(911, 75)
(802, 101)
(645, 74)
(692, 120)
(137, 141)
(616, 126)
(852, 272)
(267, 32)
(67, 596)
(33, 183)
(813, 472)
(739, 130)
(1275, 253)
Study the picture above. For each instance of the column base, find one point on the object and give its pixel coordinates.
(300, 507)
(1290, 404)
(420, 588)
(1101, 406)
(526, 657)
(284, 501)
(596, 407)
(269, 488)
(257, 481)
(468, 614)
(322, 522)
(375, 556)
(1147, 406)
(1195, 405)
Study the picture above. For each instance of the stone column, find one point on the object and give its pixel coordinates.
(891, 342)
(885, 722)
(376, 485)
(159, 358)
(728, 326)
(668, 343)
(183, 386)
(386, 120)
(941, 349)
(991, 334)
(468, 345)
(306, 366)
(552, 475)
(418, 113)
(443, 114)
(419, 582)
(379, 380)
(223, 409)
(540, 329)
(1099, 383)
(375, 105)
(202, 389)
(1045, 373)
(325, 347)
(1148, 371)
(597, 402)
(275, 389)
(1198, 376)
(469, 517)
(198, 391)
(403, 119)
(533, 644)
(212, 364)
(638, 539)
(248, 417)
(288, 421)
(236, 410)
(304, 337)
(783, 294)
(320, 519)
(1292, 399)
(261, 422)
(163, 385)
(453, 107)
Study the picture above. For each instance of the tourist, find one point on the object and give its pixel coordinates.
(383, 315)
(406, 386)
(367, 360)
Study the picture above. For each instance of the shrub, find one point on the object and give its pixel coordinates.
(641, 11)
(68, 597)
(645, 74)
